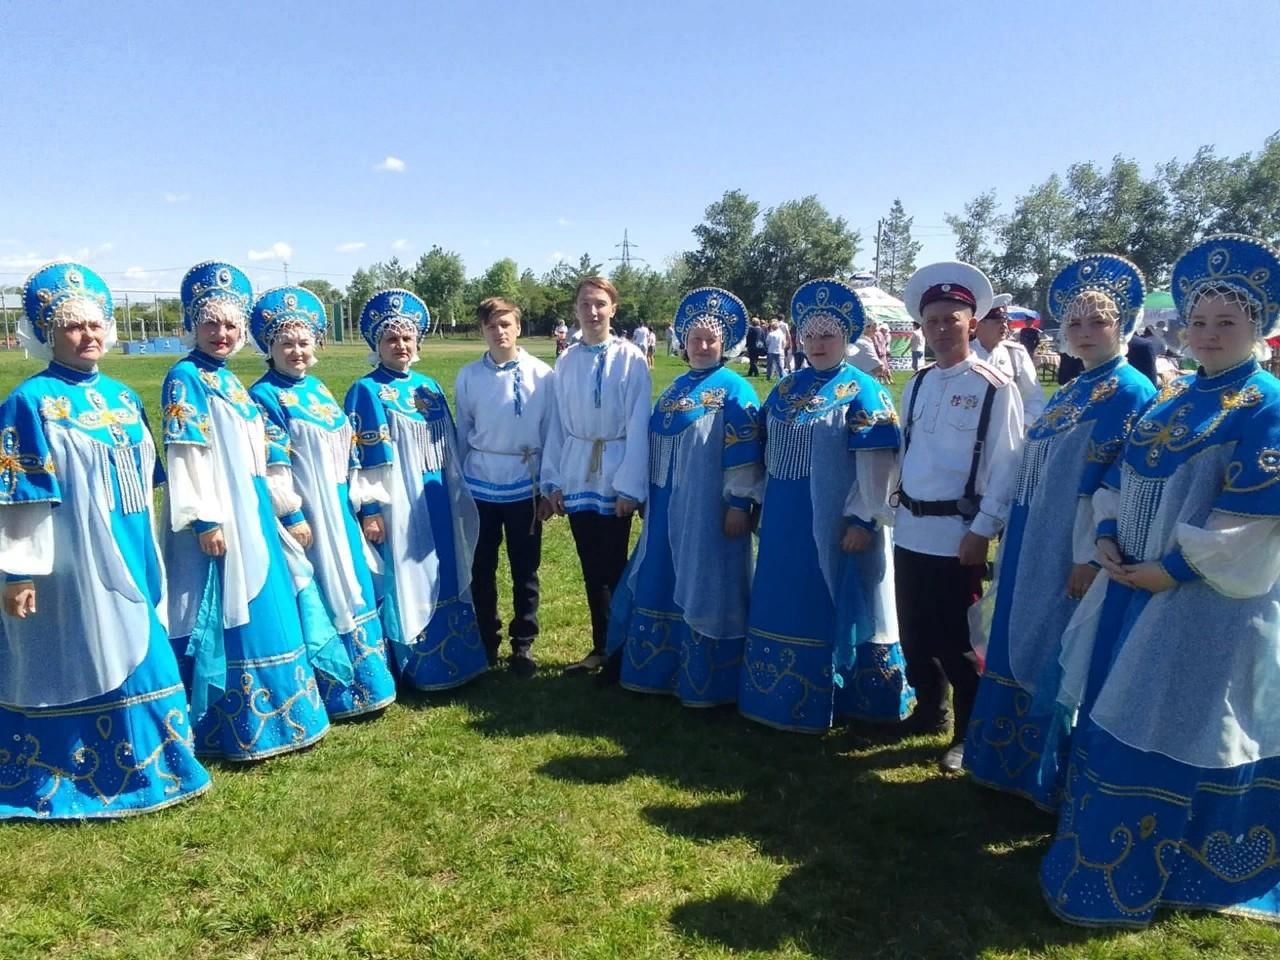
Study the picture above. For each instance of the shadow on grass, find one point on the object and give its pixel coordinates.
(890, 858)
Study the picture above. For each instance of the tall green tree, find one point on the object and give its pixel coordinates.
(1038, 240)
(898, 251)
(362, 286)
(798, 240)
(978, 231)
(1121, 211)
(438, 278)
(502, 279)
(726, 239)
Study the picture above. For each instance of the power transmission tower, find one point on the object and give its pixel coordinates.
(879, 234)
(627, 256)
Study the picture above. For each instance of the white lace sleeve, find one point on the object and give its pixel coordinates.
(284, 496)
(1084, 533)
(868, 500)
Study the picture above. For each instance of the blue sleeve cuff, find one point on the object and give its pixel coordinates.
(1108, 528)
(864, 524)
(204, 526)
(293, 519)
(1176, 565)
(370, 510)
(18, 578)
(739, 503)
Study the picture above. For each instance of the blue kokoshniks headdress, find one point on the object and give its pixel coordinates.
(829, 300)
(281, 306)
(716, 308)
(1114, 277)
(394, 306)
(1246, 266)
(50, 292)
(213, 281)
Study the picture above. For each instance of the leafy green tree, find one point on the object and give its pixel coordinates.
(438, 278)
(978, 231)
(501, 280)
(1038, 241)
(799, 240)
(726, 240)
(1121, 211)
(898, 251)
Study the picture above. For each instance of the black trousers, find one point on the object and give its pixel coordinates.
(602, 550)
(524, 554)
(753, 369)
(933, 596)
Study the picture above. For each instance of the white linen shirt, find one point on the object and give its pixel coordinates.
(944, 427)
(1014, 362)
(598, 442)
(500, 446)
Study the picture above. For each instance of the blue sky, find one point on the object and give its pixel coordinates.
(143, 137)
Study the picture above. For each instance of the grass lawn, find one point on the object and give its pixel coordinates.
(549, 818)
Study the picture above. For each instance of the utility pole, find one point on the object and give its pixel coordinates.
(879, 234)
(286, 272)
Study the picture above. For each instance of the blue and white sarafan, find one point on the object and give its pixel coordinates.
(1244, 265)
(280, 307)
(213, 281)
(52, 286)
(828, 301)
(716, 308)
(1114, 277)
(395, 306)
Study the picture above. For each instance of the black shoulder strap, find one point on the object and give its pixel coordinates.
(911, 409)
(984, 421)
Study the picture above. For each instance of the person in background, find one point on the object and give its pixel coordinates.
(504, 405)
(562, 337)
(674, 634)
(917, 346)
(756, 347)
(87, 676)
(992, 344)
(961, 445)
(595, 467)
(775, 346)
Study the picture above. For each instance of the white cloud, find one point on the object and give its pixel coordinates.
(563, 222)
(177, 197)
(351, 247)
(391, 165)
(277, 251)
(399, 244)
(32, 260)
(135, 273)
(555, 257)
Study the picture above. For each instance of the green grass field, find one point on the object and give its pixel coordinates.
(550, 818)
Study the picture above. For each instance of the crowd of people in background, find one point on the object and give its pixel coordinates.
(1077, 593)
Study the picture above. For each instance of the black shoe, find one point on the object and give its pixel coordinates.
(953, 760)
(925, 725)
(522, 664)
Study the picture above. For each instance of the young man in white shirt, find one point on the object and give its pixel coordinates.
(961, 448)
(504, 404)
(596, 465)
(775, 344)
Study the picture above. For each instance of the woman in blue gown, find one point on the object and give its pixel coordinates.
(234, 595)
(1173, 791)
(1047, 555)
(93, 715)
(310, 440)
(413, 501)
(680, 613)
(822, 631)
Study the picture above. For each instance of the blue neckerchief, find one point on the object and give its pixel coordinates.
(516, 381)
(599, 350)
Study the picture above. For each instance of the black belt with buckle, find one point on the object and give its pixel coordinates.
(963, 507)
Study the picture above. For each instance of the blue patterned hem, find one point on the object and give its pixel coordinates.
(372, 685)
(1007, 748)
(448, 653)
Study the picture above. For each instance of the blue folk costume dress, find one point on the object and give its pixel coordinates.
(411, 476)
(93, 715)
(680, 612)
(238, 620)
(822, 632)
(308, 434)
(1173, 791)
(1009, 745)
